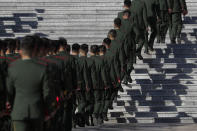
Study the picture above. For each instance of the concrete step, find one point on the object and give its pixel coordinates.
(171, 92)
(64, 31)
(167, 65)
(155, 109)
(170, 60)
(165, 77)
(146, 87)
(152, 114)
(163, 81)
(155, 103)
(152, 120)
(161, 98)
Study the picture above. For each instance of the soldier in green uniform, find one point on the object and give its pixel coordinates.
(176, 9)
(140, 25)
(68, 82)
(129, 45)
(163, 24)
(117, 49)
(120, 37)
(117, 40)
(53, 78)
(93, 82)
(84, 88)
(78, 78)
(119, 63)
(106, 93)
(153, 16)
(127, 6)
(27, 79)
(109, 61)
(102, 82)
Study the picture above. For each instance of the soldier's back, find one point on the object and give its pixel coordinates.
(151, 6)
(26, 77)
(138, 14)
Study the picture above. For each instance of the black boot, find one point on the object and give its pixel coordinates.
(125, 82)
(121, 89)
(147, 52)
(158, 40)
(130, 80)
(91, 120)
(105, 118)
(87, 119)
(173, 41)
(140, 57)
(100, 120)
(151, 48)
(163, 40)
(179, 40)
(111, 106)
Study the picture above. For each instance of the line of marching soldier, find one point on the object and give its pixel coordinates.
(45, 87)
(156, 17)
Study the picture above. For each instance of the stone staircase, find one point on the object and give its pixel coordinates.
(164, 88)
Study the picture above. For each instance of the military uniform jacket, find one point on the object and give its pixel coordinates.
(77, 77)
(92, 75)
(66, 61)
(120, 36)
(100, 72)
(117, 50)
(54, 71)
(27, 88)
(129, 43)
(177, 5)
(152, 7)
(83, 71)
(139, 14)
(111, 68)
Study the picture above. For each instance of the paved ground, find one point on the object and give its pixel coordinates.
(142, 127)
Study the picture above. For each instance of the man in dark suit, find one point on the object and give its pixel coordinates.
(27, 90)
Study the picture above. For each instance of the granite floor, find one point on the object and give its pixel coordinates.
(141, 127)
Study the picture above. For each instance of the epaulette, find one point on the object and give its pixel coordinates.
(61, 57)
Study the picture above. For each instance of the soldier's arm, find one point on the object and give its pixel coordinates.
(116, 66)
(104, 74)
(10, 87)
(85, 74)
(145, 15)
(184, 5)
(68, 79)
(74, 76)
(94, 76)
(122, 58)
(169, 6)
(45, 87)
(157, 9)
